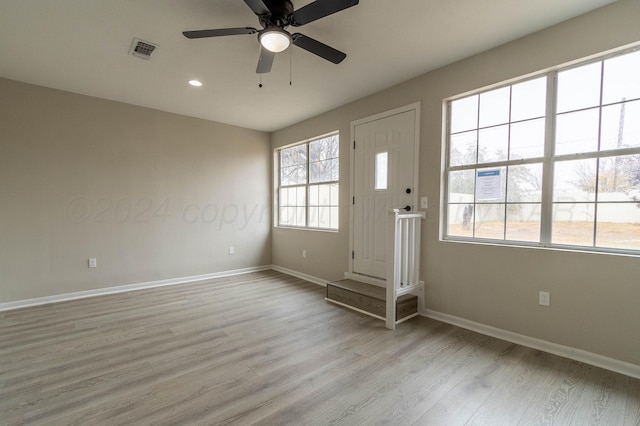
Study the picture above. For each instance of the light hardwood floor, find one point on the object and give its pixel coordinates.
(265, 348)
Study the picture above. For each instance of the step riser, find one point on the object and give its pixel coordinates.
(405, 306)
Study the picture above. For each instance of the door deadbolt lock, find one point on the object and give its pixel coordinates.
(408, 191)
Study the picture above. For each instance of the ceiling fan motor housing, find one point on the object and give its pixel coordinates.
(280, 11)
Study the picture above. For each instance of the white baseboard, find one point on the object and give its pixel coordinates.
(124, 288)
(300, 275)
(591, 358)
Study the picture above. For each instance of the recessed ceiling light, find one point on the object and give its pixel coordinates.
(195, 83)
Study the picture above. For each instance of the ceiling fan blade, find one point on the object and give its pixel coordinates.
(219, 32)
(317, 48)
(265, 61)
(258, 6)
(319, 9)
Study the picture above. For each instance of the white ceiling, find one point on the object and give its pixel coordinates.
(82, 46)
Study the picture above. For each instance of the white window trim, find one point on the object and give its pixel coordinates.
(277, 186)
(548, 161)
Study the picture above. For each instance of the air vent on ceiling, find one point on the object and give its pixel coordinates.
(142, 49)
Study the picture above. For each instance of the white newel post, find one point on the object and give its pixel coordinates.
(403, 248)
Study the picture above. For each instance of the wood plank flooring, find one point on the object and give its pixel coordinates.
(265, 348)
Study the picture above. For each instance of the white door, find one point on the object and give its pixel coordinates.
(385, 155)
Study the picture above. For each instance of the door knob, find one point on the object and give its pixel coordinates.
(407, 208)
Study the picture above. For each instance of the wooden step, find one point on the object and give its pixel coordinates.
(369, 298)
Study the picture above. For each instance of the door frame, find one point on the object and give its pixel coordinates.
(416, 149)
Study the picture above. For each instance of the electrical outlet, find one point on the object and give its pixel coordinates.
(304, 253)
(424, 202)
(545, 298)
(93, 262)
(232, 251)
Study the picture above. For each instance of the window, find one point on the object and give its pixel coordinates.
(381, 170)
(552, 161)
(308, 189)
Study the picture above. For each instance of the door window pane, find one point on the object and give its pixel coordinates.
(381, 170)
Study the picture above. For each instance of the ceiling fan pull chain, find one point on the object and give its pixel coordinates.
(290, 67)
(260, 83)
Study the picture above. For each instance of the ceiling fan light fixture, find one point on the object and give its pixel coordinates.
(274, 39)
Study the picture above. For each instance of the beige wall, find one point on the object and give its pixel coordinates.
(151, 195)
(595, 299)
(326, 251)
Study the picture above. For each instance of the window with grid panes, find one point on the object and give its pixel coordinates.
(308, 189)
(552, 161)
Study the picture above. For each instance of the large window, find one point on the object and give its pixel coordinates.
(308, 188)
(549, 161)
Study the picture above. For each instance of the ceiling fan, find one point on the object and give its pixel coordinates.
(275, 16)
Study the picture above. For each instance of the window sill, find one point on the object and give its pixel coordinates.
(301, 228)
(538, 246)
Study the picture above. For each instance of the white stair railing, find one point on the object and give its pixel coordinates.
(403, 275)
